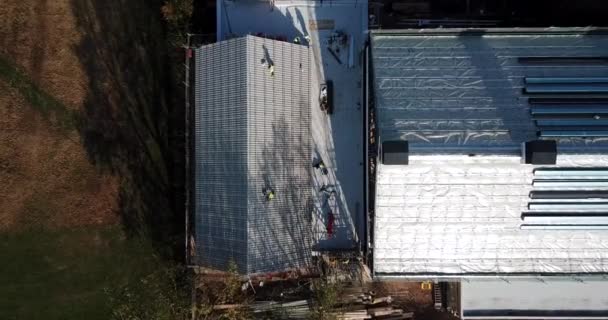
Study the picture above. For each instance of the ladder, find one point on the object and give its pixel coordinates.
(437, 297)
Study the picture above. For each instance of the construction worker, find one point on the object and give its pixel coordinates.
(271, 68)
(326, 189)
(268, 193)
(321, 165)
(296, 40)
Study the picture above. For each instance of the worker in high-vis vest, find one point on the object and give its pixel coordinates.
(268, 193)
(321, 166)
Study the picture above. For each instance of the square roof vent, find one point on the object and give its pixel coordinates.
(395, 152)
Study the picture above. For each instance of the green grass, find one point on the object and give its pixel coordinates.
(67, 274)
(50, 108)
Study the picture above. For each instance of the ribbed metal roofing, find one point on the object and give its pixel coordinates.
(252, 126)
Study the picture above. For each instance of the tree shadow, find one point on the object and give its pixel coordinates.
(51, 109)
(131, 121)
(38, 50)
(283, 225)
(343, 131)
(514, 123)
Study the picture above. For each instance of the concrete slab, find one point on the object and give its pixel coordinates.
(337, 139)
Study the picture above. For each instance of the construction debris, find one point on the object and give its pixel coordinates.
(362, 306)
(369, 307)
(334, 290)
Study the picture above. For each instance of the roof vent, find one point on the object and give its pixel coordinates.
(540, 152)
(395, 152)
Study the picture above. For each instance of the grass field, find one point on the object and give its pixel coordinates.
(89, 211)
(64, 253)
(46, 177)
(65, 274)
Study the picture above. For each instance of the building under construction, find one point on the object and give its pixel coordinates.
(486, 149)
(492, 164)
(252, 137)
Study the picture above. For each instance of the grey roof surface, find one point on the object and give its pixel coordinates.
(461, 90)
(452, 93)
(566, 298)
(252, 131)
(337, 139)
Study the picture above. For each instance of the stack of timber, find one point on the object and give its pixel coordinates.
(384, 313)
(367, 306)
(351, 307)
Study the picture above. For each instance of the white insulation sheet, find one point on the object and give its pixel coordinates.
(465, 90)
(462, 215)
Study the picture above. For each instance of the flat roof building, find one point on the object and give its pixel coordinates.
(492, 172)
(533, 299)
(466, 203)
